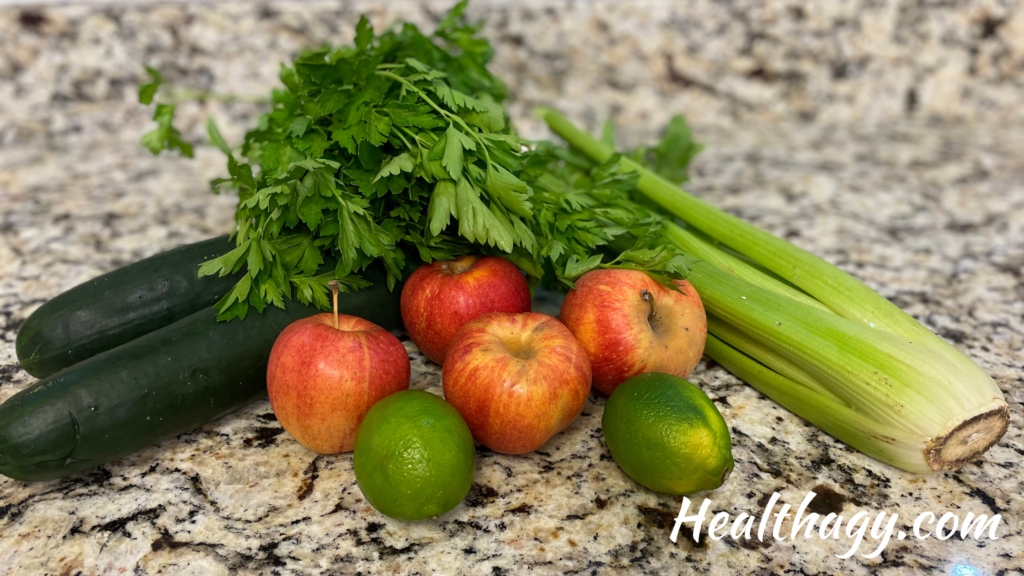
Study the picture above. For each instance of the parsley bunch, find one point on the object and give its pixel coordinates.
(585, 217)
(400, 145)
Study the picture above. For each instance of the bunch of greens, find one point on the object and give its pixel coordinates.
(400, 145)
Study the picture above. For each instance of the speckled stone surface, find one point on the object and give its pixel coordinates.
(930, 212)
(69, 72)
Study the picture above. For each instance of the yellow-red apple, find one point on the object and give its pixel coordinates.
(517, 379)
(630, 324)
(322, 377)
(438, 298)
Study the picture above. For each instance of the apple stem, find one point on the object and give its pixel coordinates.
(458, 265)
(646, 296)
(334, 290)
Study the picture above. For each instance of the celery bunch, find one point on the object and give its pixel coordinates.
(818, 341)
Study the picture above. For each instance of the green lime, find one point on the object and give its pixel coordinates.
(667, 434)
(414, 456)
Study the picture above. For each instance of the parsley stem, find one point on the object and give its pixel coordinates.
(415, 89)
(179, 94)
(402, 138)
(451, 117)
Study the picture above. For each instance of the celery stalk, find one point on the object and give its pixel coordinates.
(766, 355)
(849, 361)
(695, 246)
(833, 417)
(834, 288)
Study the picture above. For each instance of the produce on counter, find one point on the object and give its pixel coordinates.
(325, 372)
(517, 379)
(120, 306)
(400, 146)
(155, 387)
(852, 363)
(414, 456)
(630, 324)
(666, 434)
(440, 297)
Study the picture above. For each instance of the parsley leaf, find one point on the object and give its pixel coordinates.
(671, 156)
(165, 136)
(148, 90)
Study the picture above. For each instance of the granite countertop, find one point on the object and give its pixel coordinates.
(928, 211)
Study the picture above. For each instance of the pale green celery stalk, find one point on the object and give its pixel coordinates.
(765, 355)
(902, 391)
(872, 370)
(695, 246)
(906, 396)
(834, 288)
(833, 417)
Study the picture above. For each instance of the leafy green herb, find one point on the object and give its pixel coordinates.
(671, 156)
(165, 136)
(148, 90)
(587, 219)
(399, 147)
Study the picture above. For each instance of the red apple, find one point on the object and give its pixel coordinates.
(517, 379)
(440, 297)
(629, 324)
(322, 378)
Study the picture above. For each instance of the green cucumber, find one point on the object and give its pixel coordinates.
(120, 306)
(155, 387)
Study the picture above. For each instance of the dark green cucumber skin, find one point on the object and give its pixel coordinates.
(121, 306)
(155, 387)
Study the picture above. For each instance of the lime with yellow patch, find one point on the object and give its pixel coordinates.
(414, 456)
(666, 434)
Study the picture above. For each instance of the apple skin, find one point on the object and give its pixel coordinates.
(517, 379)
(438, 298)
(609, 316)
(322, 380)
